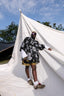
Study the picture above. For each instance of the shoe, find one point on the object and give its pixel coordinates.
(30, 82)
(39, 86)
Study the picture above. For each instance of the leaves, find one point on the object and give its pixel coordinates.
(59, 27)
(9, 34)
(47, 24)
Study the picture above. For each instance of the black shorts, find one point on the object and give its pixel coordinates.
(28, 62)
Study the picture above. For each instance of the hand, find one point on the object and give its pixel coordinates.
(49, 49)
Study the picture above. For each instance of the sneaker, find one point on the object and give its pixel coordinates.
(30, 82)
(40, 86)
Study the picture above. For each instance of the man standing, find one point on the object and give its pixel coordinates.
(31, 47)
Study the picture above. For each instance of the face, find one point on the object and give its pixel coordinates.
(33, 35)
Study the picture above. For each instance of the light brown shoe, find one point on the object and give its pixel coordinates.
(39, 86)
(30, 82)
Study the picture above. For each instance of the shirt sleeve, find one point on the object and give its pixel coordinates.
(41, 46)
(23, 44)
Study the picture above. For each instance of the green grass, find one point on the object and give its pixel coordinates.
(4, 61)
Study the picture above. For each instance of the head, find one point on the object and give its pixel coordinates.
(33, 35)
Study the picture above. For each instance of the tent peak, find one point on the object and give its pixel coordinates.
(20, 11)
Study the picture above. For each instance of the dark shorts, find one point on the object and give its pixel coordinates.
(28, 62)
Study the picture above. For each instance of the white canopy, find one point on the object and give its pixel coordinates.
(50, 70)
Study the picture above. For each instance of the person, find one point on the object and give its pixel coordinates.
(30, 48)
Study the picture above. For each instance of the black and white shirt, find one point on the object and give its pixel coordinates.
(32, 47)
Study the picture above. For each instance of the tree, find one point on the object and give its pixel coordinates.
(38, 21)
(54, 25)
(9, 34)
(60, 27)
(47, 24)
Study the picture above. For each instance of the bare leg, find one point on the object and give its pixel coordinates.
(36, 83)
(27, 71)
(34, 72)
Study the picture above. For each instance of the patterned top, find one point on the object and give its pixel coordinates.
(32, 47)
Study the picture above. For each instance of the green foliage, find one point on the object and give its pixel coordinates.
(54, 25)
(38, 21)
(59, 27)
(9, 34)
(47, 24)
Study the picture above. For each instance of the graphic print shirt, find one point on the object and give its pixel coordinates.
(32, 47)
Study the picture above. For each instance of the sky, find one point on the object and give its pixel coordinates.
(39, 10)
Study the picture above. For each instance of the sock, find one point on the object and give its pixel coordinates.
(35, 83)
(29, 79)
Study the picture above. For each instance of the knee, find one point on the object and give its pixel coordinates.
(27, 67)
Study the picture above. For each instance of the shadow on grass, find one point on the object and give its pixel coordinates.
(4, 61)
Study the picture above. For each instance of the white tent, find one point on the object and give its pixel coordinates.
(50, 70)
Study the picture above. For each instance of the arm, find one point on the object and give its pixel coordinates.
(23, 44)
(42, 46)
(48, 48)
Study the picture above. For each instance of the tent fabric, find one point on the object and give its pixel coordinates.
(50, 70)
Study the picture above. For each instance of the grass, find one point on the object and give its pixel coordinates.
(4, 61)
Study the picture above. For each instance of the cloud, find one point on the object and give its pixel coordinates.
(14, 5)
(49, 9)
(45, 8)
(26, 5)
(0, 3)
(47, 1)
(1, 15)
